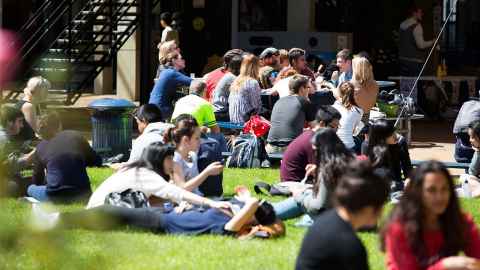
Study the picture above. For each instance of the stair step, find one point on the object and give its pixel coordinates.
(44, 69)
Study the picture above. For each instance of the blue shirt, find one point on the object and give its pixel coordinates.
(195, 221)
(345, 77)
(65, 158)
(163, 92)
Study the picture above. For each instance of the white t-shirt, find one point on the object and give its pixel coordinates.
(281, 87)
(142, 179)
(153, 133)
(349, 121)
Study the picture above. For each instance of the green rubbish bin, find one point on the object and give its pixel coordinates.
(112, 126)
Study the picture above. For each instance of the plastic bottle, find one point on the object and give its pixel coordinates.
(466, 189)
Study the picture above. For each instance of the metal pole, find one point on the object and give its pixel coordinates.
(146, 22)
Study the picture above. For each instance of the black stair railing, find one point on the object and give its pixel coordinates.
(77, 37)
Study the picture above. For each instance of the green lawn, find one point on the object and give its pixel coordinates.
(131, 249)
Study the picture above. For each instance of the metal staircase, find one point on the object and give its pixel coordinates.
(70, 42)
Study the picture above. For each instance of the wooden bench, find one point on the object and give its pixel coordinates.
(448, 164)
(230, 125)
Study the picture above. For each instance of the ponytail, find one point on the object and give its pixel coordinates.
(185, 125)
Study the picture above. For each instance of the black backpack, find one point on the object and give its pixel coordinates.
(248, 152)
(210, 151)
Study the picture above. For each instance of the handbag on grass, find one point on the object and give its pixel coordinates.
(128, 199)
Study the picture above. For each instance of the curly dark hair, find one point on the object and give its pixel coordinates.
(410, 212)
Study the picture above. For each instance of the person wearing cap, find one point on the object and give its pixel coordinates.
(212, 78)
(195, 105)
(269, 70)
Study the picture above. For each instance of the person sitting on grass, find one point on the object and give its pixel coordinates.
(427, 229)
(195, 105)
(331, 242)
(290, 115)
(60, 163)
(150, 175)
(186, 138)
(471, 181)
(351, 116)
(332, 161)
(35, 93)
(394, 157)
(299, 156)
(151, 129)
(12, 159)
(242, 219)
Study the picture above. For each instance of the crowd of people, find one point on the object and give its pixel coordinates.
(346, 166)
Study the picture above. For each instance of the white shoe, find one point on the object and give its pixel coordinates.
(42, 220)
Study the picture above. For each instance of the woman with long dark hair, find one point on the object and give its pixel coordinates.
(332, 160)
(427, 229)
(388, 150)
(331, 242)
(150, 175)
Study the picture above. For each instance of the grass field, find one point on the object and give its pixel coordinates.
(20, 248)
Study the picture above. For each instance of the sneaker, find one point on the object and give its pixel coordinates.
(42, 220)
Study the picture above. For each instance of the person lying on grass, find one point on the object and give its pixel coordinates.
(150, 175)
(186, 138)
(427, 229)
(245, 217)
(332, 161)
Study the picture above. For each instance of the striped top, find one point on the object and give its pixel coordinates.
(244, 101)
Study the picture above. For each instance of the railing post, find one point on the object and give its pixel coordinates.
(146, 21)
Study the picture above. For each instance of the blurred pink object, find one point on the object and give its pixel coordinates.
(8, 56)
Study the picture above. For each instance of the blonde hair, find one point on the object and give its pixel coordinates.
(38, 85)
(248, 71)
(362, 71)
(164, 49)
(347, 95)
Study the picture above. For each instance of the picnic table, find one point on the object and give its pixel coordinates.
(405, 124)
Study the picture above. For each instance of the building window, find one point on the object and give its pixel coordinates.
(262, 15)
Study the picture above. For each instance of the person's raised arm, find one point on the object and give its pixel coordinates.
(418, 35)
(182, 79)
(214, 168)
(243, 216)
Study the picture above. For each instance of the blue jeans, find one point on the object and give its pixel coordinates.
(288, 209)
(38, 192)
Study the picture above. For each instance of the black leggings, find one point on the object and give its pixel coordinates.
(109, 217)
